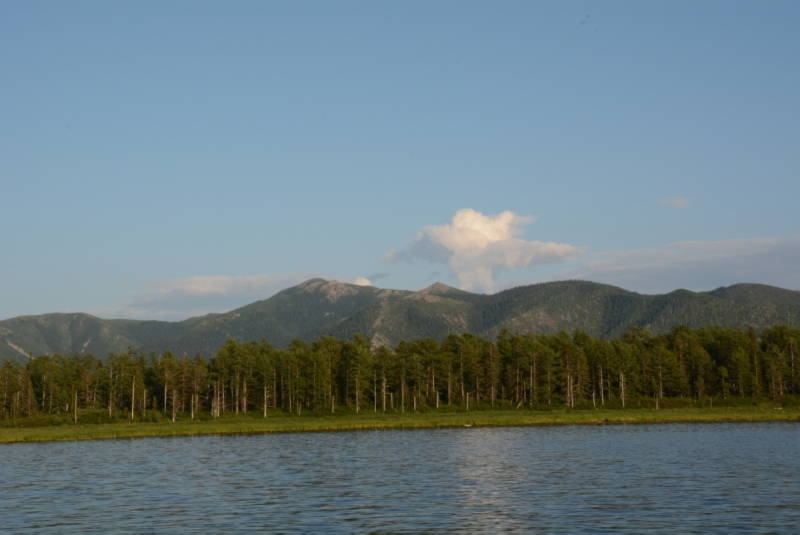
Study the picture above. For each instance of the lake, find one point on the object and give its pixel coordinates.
(694, 478)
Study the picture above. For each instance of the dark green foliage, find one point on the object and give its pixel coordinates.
(684, 367)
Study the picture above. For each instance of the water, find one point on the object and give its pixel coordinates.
(718, 478)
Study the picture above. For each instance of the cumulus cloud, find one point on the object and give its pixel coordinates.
(476, 246)
(362, 281)
(191, 296)
(674, 202)
(698, 265)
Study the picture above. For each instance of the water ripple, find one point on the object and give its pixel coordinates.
(739, 478)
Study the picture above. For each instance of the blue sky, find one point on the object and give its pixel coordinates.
(165, 159)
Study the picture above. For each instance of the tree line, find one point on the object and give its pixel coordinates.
(462, 371)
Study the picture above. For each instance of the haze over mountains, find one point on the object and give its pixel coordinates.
(319, 307)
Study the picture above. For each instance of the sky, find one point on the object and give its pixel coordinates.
(160, 160)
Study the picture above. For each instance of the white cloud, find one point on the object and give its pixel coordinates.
(475, 246)
(674, 202)
(177, 299)
(362, 281)
(225, 284)
(698, 265)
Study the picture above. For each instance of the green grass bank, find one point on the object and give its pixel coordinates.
(33, 431)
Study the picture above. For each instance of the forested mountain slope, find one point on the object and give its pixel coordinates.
(318, 307)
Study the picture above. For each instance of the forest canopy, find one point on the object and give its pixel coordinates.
(465, 371)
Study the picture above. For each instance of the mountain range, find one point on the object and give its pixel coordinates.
(321, 307)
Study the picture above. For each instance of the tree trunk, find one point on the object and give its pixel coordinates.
(461, 372)
(402, 394)
(384, 393)
(602, 395)
(358, 393)
(568, 389)
(110, 390)
(530, 401)
(215, 400)
(449, 390)
(236, 394)
(433, 386)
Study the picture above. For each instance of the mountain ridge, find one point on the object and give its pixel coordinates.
(320, 307)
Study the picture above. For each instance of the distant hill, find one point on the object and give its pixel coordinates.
(319, 307)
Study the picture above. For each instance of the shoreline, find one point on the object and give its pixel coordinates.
(248, 425)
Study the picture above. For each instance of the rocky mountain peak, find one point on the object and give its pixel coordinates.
(438, 288)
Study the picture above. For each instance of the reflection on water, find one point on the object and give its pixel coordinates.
(721, 478)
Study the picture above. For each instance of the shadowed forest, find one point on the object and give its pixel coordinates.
(686, 367)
